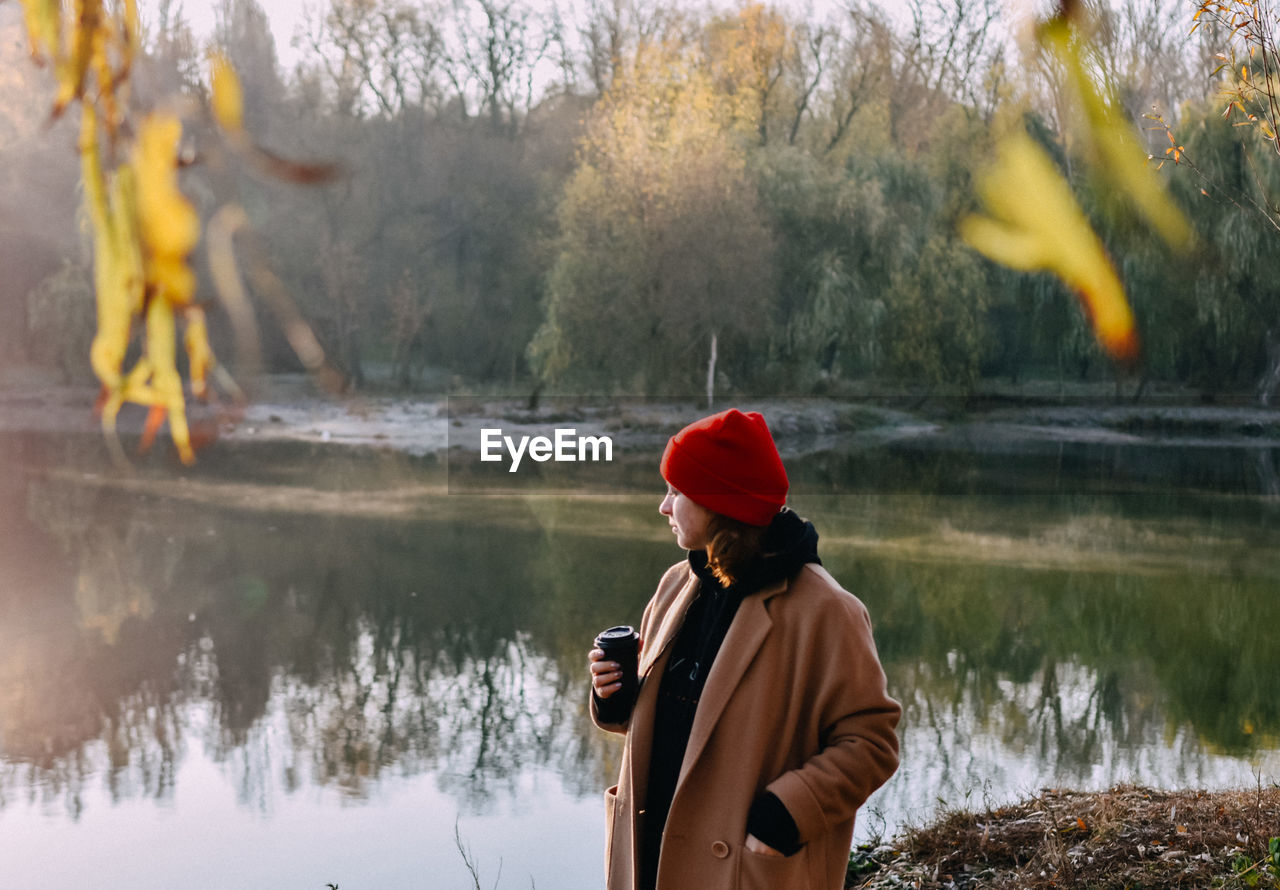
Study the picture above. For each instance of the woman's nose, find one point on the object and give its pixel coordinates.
(665, 507)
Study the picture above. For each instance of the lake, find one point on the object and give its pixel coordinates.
(295, 665)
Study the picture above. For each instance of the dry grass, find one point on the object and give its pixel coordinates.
(1128, 837)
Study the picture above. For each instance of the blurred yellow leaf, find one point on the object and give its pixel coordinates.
(143, 227)
(117, 265)
(44, 28)
(1036, 224)
(71, 70)
(168, 223)
(200, 360)
(228, 95)
(130, 31)
(166, 383)
(1121, 159)
(228, 109)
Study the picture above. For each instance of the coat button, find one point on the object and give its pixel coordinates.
(720, 849)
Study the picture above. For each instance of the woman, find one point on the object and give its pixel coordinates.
(761, 723)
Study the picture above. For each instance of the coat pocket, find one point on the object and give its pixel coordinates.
(760, 872)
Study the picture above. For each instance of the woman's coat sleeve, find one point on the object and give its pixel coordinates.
(856, 724)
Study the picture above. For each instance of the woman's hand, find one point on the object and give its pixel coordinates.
(606, 676)
(755, 845)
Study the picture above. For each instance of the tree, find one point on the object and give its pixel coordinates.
(860, 66)
(495, 50)
(1250, 65)
(388, 55)
(936, 329)
(443, 218)
(610, 30)
(60, 319)
(37, 195)
(833, 256)
(1251, 56)
(1231, 321)
(749, 54)
(661, 250)
(953, 49)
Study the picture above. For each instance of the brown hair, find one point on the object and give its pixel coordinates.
(732, 547)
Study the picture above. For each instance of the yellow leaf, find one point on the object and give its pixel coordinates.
(200, 360)
(131, 22)
(117, 263)
(44, 27)
(1003, 243)
(167, 384)
(228, 96)
(1122, 160)
(1035, 223)
(168, 223)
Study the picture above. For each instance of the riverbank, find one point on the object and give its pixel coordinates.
(1126, 837)
(999, 418)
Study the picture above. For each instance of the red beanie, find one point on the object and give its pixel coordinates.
(728, 463)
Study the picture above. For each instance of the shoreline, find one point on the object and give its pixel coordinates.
(288, 408)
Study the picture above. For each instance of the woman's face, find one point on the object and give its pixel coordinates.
(688, 520)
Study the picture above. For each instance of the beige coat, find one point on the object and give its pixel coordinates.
(795, 703)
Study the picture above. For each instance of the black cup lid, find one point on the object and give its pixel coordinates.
(621, 632)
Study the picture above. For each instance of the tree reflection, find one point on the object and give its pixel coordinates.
(294, 649)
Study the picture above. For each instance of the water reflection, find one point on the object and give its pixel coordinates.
(1171, 639)
(377, 647)
(376, 635)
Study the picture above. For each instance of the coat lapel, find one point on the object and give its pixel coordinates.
(671, 622)
(746, 635)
